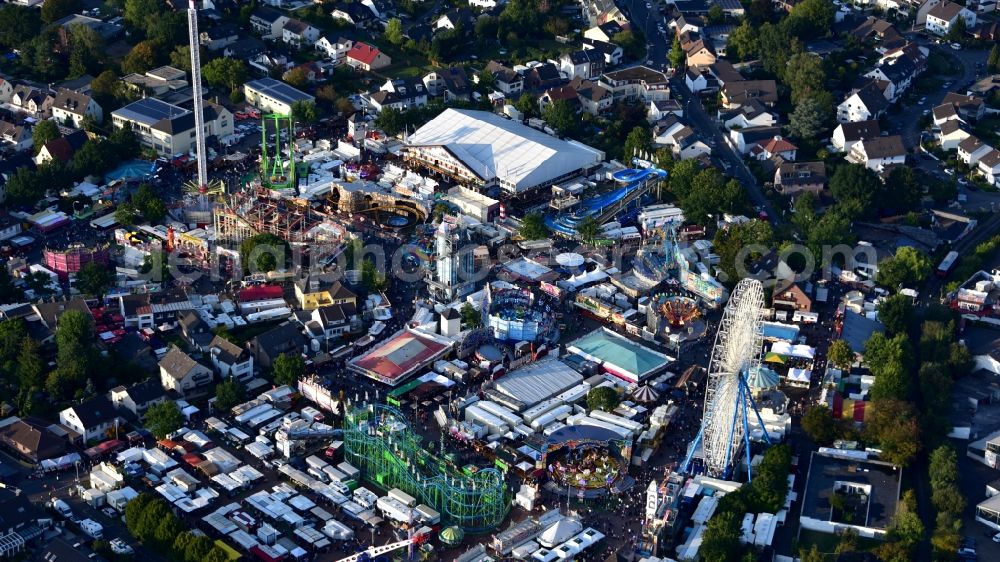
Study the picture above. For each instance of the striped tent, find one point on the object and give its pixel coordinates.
(645, 394)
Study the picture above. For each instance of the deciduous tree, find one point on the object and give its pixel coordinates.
(163, 418)
(288, 369)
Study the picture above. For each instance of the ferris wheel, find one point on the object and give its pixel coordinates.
(728, 402)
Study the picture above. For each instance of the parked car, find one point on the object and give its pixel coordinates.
(956, 46)
(949, 171)
(110, 512)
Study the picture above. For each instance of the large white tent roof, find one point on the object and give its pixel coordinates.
(495, 147)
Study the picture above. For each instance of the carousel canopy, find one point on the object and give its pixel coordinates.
(762, 378)
(798, 350)
(645, 394)
(452, 535)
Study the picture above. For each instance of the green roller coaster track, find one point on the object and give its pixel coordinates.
(378, 440)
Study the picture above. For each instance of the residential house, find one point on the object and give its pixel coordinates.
(245, 48)
(486, 4)
(450, 83)
(169, 129)
(686, 24)
(989, 167)
(61, 149)
(587, 64)
(745, 139)
(952, 133)
(17, 137)
(593, 98)
(899, 72)
(788, 295)
(319, 290)
(194, 330)
(381, 9)
(70, 108)
(399, 94)
(604, 32)
(298, 33)
(183, 375)
(724, 72)
(90, 420)
(878, 153)
(32, 101)
(367, 57)
(944, 113)
(268, 22)
(971, 150)
(699, 54)
(846, 134)
(612, 53)
(157, 82)
(457, 18)
(151, 310)
(639, 83)
(312, 71)
(970, 108)
(985, 87)
(700, 81)
(735, 94)
(792, 178)
(279, 340)
(732, 8)
(32, 440)
(942, 17)
(231, 360)
(6, 90)
(133, 351)
(774, 147)
(335, 50)
(505, 79)
(218, 36)
(864, 104)
(328, 322)
(49, 312)
(354, 13)
(565, 93)
(268, 94)
(138, 398)
(683, 141)
(542, 77)
(874, 29)
(661, 109)
(750, 114)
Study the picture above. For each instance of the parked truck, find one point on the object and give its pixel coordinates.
(394, 509)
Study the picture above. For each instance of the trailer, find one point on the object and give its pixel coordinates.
(495, 425)
(337, 530)
(427, 515)
(402, 497)
(312, 461)
(551, 416)
(334, 475)
(92, 529)
(394, 509)
(499, 411)
(365, 497)
(633, 426)
(352, 474)
(263, 419)
(253, 412)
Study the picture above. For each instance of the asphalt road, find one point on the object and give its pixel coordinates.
(646, 19)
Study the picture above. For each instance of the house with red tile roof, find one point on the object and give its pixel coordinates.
(367, 57)
(773, 147)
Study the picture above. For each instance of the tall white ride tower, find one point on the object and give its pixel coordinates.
(199, 111)
(200, 189)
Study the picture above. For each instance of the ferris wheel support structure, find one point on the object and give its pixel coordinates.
(725, 424)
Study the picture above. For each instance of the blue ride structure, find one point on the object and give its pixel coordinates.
(636, 182)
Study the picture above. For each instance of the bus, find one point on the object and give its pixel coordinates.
(947, 264)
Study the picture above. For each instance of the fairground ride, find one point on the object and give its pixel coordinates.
(199, 188)
(728, 402)
(379, 441)
(277, 157)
